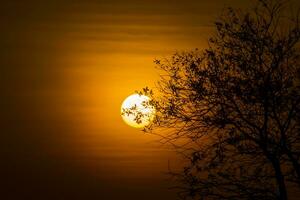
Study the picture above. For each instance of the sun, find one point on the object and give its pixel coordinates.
(137, 104)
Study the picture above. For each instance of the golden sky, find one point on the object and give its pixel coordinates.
(66, 67)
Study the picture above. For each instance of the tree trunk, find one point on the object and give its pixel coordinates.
(280, 179)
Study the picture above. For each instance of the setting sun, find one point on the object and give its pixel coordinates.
(141, 114)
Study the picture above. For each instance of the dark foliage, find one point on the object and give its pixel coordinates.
(233, 109)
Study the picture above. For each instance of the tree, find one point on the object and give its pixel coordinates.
(236, 107)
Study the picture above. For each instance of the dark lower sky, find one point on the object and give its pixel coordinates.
(65, 68)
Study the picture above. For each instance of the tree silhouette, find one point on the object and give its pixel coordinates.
(233, 109)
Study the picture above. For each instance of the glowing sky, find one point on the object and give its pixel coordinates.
(66, 67)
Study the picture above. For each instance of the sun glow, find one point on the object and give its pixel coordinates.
(141, 114)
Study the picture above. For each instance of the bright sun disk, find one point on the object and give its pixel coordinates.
(138, 101)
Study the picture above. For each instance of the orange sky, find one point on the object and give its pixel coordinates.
(66, 67)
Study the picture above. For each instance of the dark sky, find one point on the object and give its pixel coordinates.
(65, 68)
